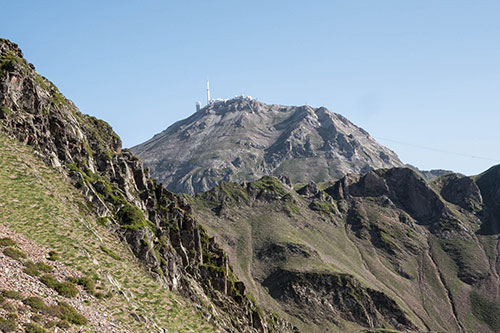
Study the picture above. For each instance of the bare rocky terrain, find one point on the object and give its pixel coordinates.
(20, 288)
(243, 139)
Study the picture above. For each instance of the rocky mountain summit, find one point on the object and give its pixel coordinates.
(243, 139)
(156, 225)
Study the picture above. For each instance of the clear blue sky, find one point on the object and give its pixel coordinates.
(426, 73)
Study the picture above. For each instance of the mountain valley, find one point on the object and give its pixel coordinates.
(383, 249)
(286, 219)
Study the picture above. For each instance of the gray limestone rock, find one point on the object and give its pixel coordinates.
(243, 139)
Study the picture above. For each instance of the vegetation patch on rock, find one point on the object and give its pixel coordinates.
(14, 253)
(65, 288)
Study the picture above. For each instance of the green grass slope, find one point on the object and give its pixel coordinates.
(436, 268)
(157, 226)
(39, 203)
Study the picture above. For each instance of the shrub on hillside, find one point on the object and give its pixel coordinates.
(34, 328)
(86, 282)
(8, 324)
(53, 256)
(6, 241)
(49, 280)
(66, 289)
(14, 253)
(35, 303)
(64, 311)
(11, 294)
(35, 269)
(8, 306)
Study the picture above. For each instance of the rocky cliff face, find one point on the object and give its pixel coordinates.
(385, 249)
(158, 225)
(333, 296)
(242, 139)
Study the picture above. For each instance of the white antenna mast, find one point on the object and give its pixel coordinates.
(208, 92)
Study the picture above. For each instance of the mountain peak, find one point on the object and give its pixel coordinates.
(243, 139)
(10, 54)
(237, 103)
(116, 190)
(6, 45)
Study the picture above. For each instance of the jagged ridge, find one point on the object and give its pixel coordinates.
(156, 224)
(428, 250)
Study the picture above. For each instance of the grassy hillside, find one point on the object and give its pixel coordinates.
(423, 254)
(157, 226)
(261, 235)
(40, 204)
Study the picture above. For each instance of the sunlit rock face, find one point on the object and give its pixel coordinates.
(242, 139)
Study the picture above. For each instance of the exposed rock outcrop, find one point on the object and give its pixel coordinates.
(489, 184)
(332, 296)
(401, 185)
(157, 225)
(461, 191)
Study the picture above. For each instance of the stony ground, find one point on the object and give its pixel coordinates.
(13, 278)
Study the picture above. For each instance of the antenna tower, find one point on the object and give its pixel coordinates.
(208, 92)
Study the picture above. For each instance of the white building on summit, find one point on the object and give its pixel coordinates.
(211, 101)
